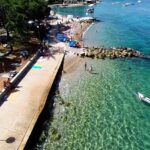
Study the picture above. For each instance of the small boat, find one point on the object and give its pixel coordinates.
(91, 5)
(143, 98)
(139, 1)
(127, 4)
(90, 10)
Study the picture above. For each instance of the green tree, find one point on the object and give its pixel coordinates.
(37, 9)
(14, 15)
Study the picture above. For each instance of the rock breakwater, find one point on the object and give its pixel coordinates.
(111, 53)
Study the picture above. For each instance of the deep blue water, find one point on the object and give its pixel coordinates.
(121, 26)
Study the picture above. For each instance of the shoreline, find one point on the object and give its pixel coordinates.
(67, 5)
(55, 43)
(71, 51)
(87, 29)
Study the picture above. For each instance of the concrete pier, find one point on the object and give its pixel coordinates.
(20, 111)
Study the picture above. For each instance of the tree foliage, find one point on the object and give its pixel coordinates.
(55, 1)
(14, 15)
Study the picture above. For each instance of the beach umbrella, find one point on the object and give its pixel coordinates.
(72, 43)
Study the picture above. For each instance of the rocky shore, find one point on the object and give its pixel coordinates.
(111, 53)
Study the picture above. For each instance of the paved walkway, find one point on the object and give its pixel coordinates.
(19, 113)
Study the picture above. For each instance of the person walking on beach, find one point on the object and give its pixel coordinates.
(85, 66)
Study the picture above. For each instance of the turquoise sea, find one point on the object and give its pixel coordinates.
(101, 111)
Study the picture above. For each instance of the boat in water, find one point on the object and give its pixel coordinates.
(91, 5)
(143, 98)
(139, 1)
(90, 10)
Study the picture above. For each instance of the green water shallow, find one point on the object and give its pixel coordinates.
(101, 111)
(104, 111)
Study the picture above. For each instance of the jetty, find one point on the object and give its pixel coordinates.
(22, 107)
(112, 53)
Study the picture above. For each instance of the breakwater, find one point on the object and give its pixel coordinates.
(111, 53)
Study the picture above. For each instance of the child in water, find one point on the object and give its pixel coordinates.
(91, 69)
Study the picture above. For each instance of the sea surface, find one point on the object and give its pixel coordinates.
(101, 111)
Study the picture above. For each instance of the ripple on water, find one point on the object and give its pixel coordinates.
(104, 112)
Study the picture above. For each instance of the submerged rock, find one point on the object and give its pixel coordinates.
(42, 137)
(55, 136)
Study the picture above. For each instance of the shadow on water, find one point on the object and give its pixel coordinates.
(145, 103)
(135, 60)
(94, 73)
(40, 131)
(144, 58)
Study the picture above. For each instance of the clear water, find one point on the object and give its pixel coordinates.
(104, 111)
(123, 26)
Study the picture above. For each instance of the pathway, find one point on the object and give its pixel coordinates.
(19, 113)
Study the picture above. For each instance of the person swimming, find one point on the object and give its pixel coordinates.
(91, 68)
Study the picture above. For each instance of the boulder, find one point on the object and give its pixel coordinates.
(109, 53)
(82, 54)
